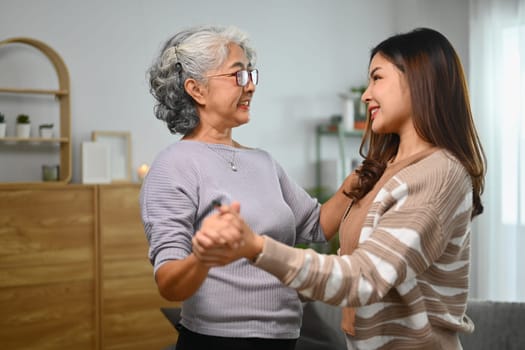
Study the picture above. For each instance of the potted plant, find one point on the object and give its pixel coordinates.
(23, 126)
(45, 130)
(2, 125)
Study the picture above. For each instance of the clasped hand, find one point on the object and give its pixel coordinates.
(224, 237)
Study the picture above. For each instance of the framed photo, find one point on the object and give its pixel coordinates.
(95, 163)
(119, 143)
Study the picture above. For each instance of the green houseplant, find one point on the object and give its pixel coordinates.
(23, 119)
(23, 126)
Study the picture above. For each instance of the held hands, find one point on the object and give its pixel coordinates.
(224, 237)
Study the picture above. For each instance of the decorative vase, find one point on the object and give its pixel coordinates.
(348, 113)
(23, 131)
(2, 130)
(50, 172)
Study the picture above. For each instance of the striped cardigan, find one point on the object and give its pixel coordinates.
(408, 277)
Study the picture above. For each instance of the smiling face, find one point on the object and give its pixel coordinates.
(224, 104)
(388, 98)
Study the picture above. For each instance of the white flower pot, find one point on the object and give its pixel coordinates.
(46, 133)
(23, 131)
(2, 129)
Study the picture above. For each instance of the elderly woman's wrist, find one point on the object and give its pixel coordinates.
(257, 249)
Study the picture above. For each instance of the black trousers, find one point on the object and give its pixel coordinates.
(189, 340)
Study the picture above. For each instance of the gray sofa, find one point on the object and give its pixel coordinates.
(499, 326)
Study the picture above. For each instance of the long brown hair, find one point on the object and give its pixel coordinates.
(441, 109)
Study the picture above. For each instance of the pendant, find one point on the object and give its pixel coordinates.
(234, 168)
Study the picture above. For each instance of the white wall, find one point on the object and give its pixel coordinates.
(451, 17)
(308, 52)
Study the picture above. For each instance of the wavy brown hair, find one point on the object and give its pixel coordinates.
(441, 109)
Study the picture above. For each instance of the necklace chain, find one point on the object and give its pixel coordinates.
(231, 162)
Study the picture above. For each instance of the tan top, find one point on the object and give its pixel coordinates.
(408, 277)
(350, 228)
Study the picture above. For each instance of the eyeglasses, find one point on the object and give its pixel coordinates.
(242, 76)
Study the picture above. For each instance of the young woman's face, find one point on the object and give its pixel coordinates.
(227, 103)
(388, 98)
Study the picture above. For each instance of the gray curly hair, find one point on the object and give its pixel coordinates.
(190, 54)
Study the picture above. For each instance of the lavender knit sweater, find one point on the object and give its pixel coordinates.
(237, 300)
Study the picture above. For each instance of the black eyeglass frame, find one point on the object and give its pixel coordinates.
(241, 75)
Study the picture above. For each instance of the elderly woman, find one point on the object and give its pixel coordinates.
(204, 81)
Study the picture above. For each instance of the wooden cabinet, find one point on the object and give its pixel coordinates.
(62, 94)
(130, 317)
(47, 268)
(74, 272)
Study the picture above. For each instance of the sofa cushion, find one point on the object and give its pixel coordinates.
(498, 325)
(321, 329)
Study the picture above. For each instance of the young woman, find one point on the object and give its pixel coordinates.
(405, 239)
(204, 81)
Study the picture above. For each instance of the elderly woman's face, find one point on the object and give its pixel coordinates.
(228, 104)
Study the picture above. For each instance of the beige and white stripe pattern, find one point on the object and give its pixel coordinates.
(408, 277)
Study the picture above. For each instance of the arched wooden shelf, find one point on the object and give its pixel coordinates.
(63, 96)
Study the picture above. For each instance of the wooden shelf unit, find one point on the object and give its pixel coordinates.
(62, 94)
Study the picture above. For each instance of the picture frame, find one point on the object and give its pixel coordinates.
(119, 143)
(95, 163)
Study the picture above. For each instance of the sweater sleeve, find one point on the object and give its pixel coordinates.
(410, 226)
(312, 274)
(305, 208)
(168, 204)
